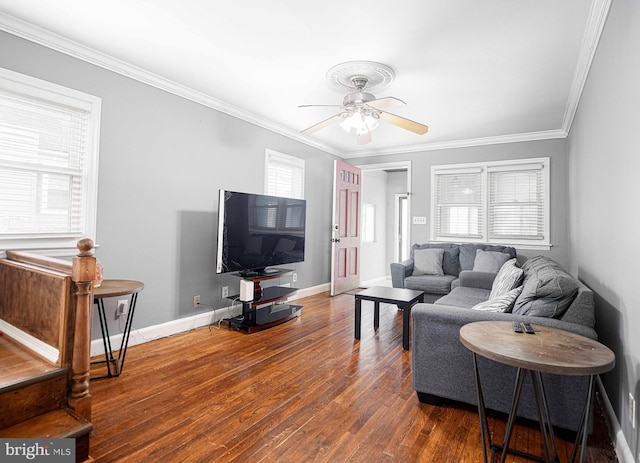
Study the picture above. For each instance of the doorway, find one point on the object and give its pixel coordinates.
(386, 191)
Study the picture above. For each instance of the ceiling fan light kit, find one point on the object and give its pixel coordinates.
(362, 111)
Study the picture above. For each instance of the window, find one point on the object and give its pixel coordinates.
(284, 175)
(368, 223)
(498, 202)
(48, 163)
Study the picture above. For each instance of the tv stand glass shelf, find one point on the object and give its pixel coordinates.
(268, 307)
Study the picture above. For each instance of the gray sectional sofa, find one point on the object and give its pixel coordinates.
(443, 368)
(458, 261)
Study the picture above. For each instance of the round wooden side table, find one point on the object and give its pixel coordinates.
(107, 289)
(548, 350)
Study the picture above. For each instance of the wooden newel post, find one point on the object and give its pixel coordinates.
(83, 274)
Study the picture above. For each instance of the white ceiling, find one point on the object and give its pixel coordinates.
(474, 71)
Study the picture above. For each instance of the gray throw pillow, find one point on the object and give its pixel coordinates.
(548, 289)
(489, 261)
(509, 276)
(428, 262)
(503, 303)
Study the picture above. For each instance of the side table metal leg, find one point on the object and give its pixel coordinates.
(512, 414)
(543, 416)
(125, 336)
(106, 340)
(583, 428)
(538, 387)
(482, 412)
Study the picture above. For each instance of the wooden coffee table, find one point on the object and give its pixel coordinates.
(549, 350)
(403, 298)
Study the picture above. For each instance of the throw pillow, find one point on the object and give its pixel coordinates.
(489, 261)
(428, 262)
(503, 303)
(509, 276)
(548, 289)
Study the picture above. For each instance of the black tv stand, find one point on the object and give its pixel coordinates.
(267, 308)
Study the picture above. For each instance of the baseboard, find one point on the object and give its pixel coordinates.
(181, 325)
(380, 281)
(311, 291)
(620, 444)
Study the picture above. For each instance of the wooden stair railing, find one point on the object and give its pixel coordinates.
(45, 320)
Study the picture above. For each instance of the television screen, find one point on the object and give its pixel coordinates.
(258, 231)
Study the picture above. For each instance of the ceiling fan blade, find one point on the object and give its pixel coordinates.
(364, 138)
(385, 102)
(404, 123)
(323, 124)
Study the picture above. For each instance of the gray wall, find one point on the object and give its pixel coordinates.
(421, 163)
(162, 160)
(604, 153)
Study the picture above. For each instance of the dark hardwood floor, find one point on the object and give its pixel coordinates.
(299, 392)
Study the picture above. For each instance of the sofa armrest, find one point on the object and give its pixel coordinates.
(400, 271)
(475, 279)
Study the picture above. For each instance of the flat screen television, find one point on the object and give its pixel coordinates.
(258, 231)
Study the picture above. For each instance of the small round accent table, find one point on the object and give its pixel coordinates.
(548, 350)
(115, 288)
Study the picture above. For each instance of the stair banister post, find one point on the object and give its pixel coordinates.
(83, 274)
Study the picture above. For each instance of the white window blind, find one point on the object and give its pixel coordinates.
(458, 204)
(284, 175)
(48, 156)
(516, 204)
(503, 202)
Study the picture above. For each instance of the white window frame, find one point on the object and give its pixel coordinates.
(61, 243)
(295, 167)
(484, 168)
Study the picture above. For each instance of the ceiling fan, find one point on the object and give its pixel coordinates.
(362, 111)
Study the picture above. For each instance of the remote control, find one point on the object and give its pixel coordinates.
(516, 327)
(528, 328)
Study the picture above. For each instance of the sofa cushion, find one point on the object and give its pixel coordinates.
(489, 261)
(468, 253)
(428, 261)
(509, 276)
(450, 258)
(548, 289)
(435, 284)
(503, 303)
(465, 297)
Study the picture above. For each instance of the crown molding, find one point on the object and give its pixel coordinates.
(595, 26)
(58, 43)
(593, 32)
(445, 145)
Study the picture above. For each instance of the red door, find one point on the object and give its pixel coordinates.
(345, 263)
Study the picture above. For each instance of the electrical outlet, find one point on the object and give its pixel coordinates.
(123, 307)
(295, 277)
(632, 411)
(196, 301)
(225, 291)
